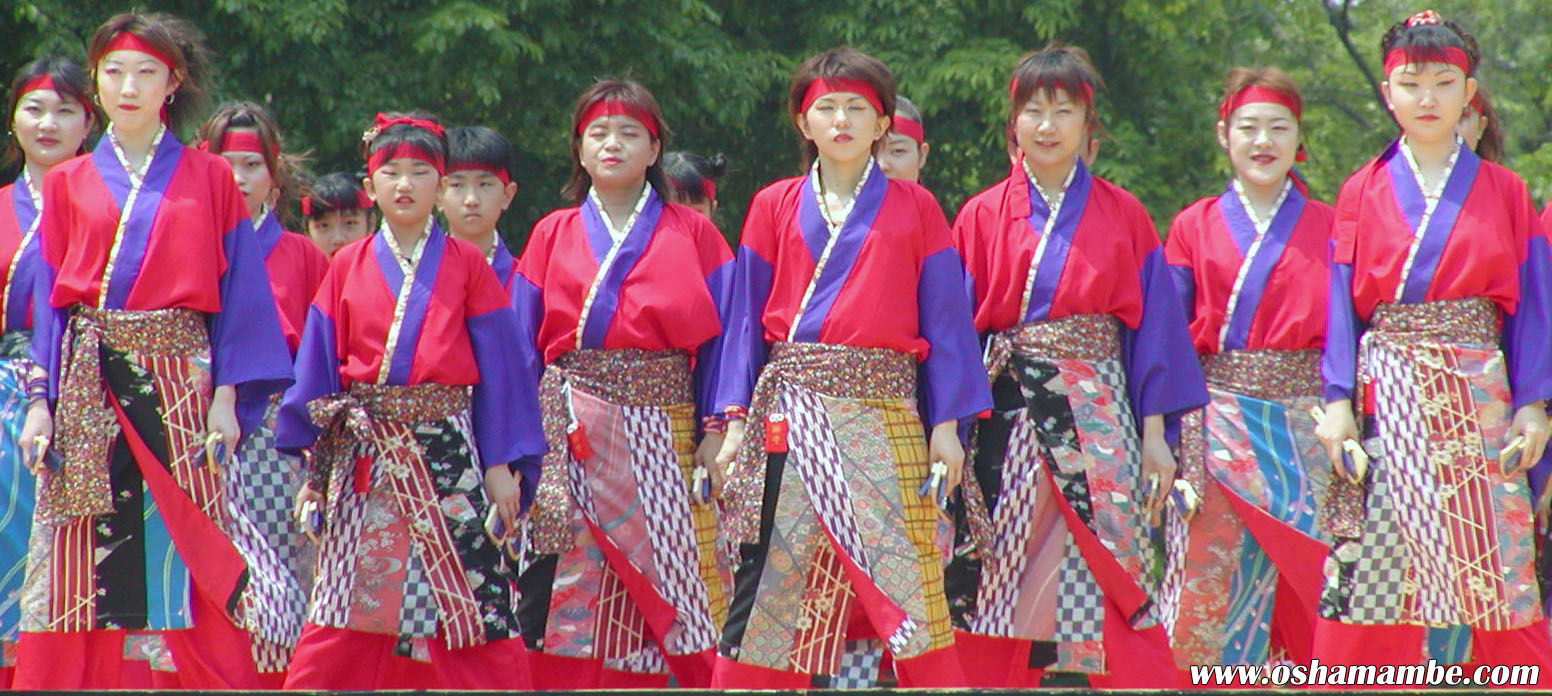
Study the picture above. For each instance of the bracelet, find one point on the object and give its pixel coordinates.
(732, 413)
(714, 423)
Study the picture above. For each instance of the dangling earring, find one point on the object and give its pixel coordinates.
(171, 98)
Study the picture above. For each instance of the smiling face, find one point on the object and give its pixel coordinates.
(405, 190)
(1427, 99)
(49, 127)
(843, 126)
(132, 86)
(473, 201)
(616, 151)
(1262, 139)
(1050, 130)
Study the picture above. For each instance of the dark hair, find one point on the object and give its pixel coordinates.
(843, 63)
(1057, 66)
(404, 134)
(70, 81)
(1270, 78)
(1426, 43)
(1491, 146)
(904, 107)
(174, 38)
(481, 146)
(282, 165)
(688, 173)
(626, 92)
(335, 192)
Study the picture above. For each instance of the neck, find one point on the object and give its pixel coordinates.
(1051, 178)
(620, 200)
(135, 143)
(36, 170)
(1262, 196)
(485, 240)
(256, 213)
(840, 177)
(1431, 154)
(406, 235)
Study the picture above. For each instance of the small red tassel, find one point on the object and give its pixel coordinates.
(776, 433)
(576, 440)
(363, 474)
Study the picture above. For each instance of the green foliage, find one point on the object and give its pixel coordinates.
(720, 69)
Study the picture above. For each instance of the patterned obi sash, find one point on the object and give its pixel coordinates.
(1265, 374)
(380, 414)
(1078, 337)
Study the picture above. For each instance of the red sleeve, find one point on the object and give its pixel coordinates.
(536, 255)
(1178, 243)
(1349, 201)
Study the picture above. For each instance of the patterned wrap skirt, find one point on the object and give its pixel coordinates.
(618, 565)
(17, 486)
(1269, 502)
(832, 460)
(260, 489)
(404, 550)
(118, 516)
(1054, 490)
(1445, 539)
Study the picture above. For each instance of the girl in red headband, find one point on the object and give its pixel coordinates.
(1250, 265)
(693, 179)
(1091, 367)
(624, 297)
(1436, 342)
(158, 344)
(905, 152)
(848, 303)
(424, 445)
(260, 489)
(337, 211)
(49, 119)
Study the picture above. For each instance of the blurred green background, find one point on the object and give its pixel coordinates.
(720, 71)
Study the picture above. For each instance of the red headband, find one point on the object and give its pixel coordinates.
(1451, 55)
(381, 156)
(1477, 104)
(44, 81)
(910, 128)
(363, 202)
(129, 41)
(709, 190)
(1257, 94)
(617, 107)
(1085, 90)
(481, 167)
(821, 87)
(243, 141)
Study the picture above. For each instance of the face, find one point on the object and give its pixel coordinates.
(473, 201)
(703, 206)
(336, 228)
(132, 87)
(405, 190)
(843, 125)
(1051, 129)
(1262, 140)
(902, 158)
(1471, 126)
(49, 127)
(616, 150)
(1427, 99)
(253, 177)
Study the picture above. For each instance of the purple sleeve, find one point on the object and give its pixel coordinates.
(528, 302)
(708, 358)
(48, 325)
(247, 347)
(507, 425)
(317, 375)
(1185, 287)
(1163, 374)
(1339, 360)
(954, 385)
(743, 350)
(1527, 330)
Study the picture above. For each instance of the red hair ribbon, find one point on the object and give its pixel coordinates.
(381, 122)
(307, 206)
(1258, 94)
(619, 107)
(709, 190)
(1451, 55)
(1085, 90)
(245, 141)
(363, 201)
(130, 41)
(821, 87)
(910, 128)
(1477, 103)
(481, 167)
(44, 81)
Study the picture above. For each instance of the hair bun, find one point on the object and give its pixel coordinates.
(717, 165)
